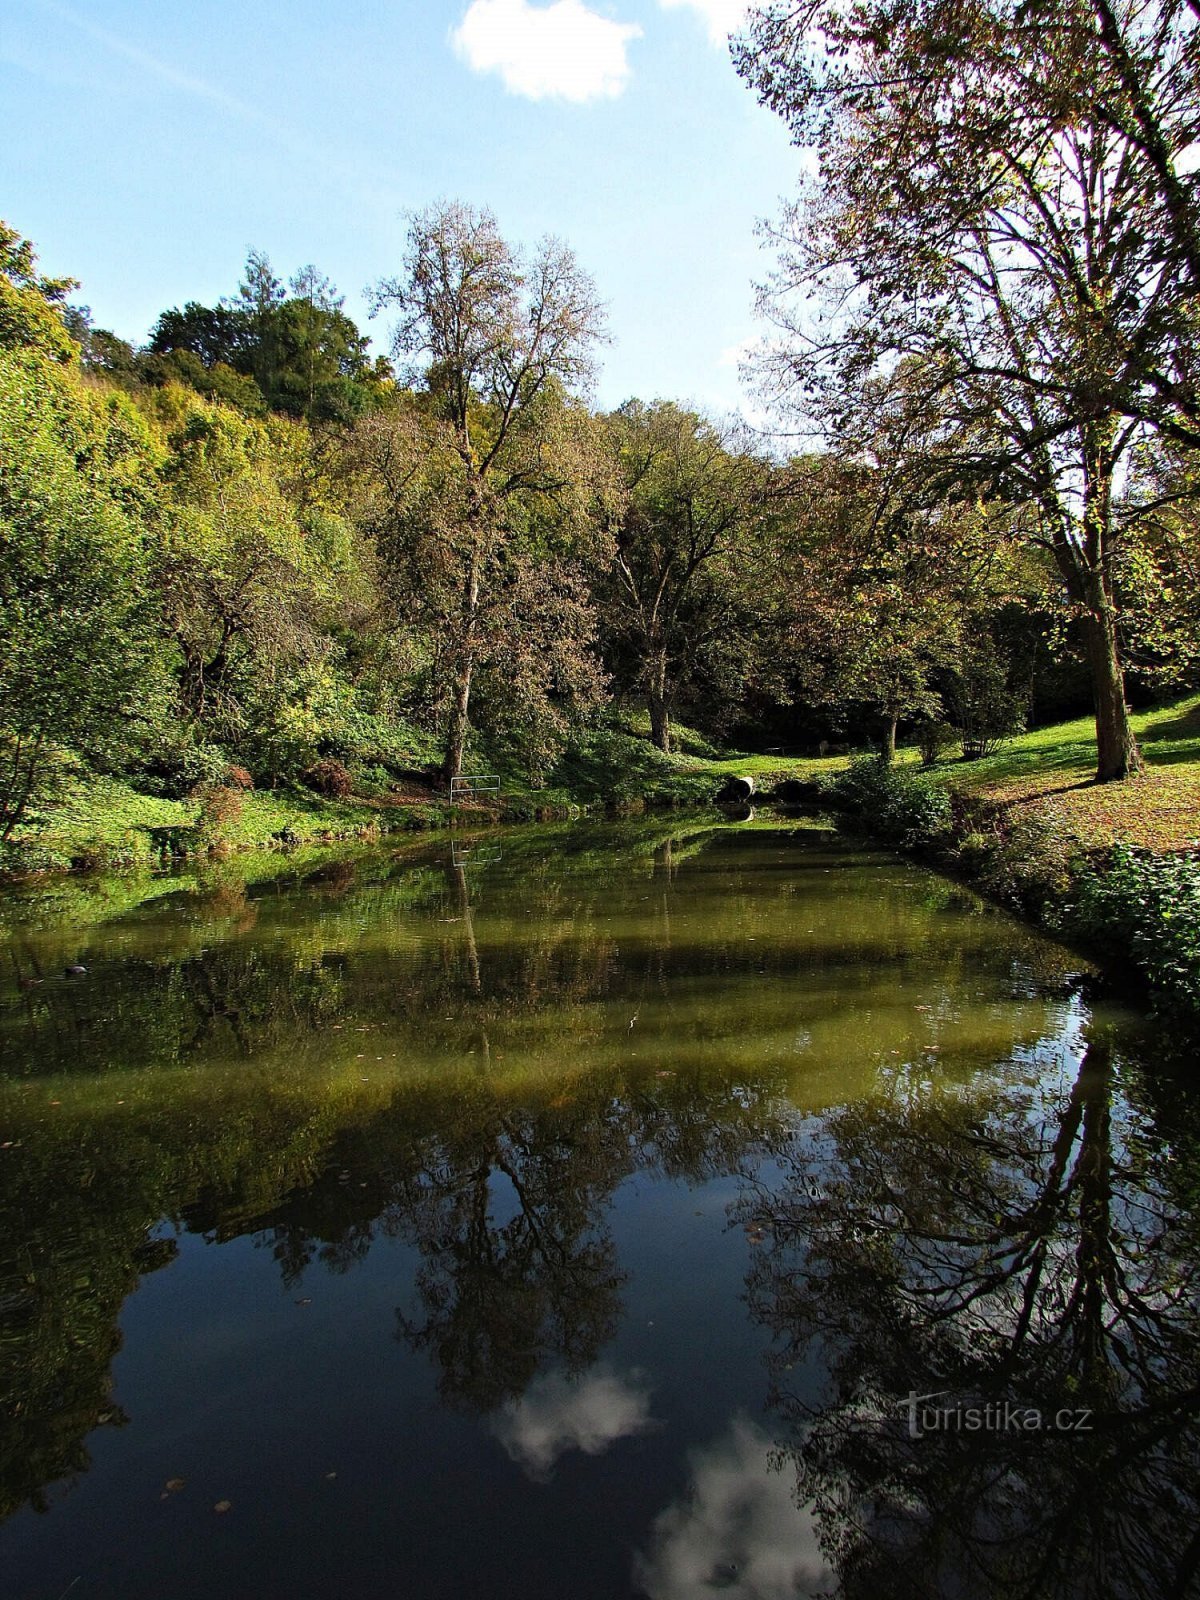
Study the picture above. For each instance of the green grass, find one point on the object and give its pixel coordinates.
(1169, 736)
(1051, 772)
(104, 822)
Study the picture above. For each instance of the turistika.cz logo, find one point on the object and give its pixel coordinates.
(996, 1416)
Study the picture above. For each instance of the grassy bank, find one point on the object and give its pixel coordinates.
(106, 823)
(1115, 867)
(103, 822)
(1049, 774)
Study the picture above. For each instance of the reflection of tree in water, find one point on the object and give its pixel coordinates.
(517, 1265)
(505, 1199)
(1014, 1250)
(509, 1111)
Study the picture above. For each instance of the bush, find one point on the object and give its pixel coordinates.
(986, 708)
(1026, 862)
(329, 778)
(934, 738)
(180, 768)
(1150, 906)
(901, 807)
(220, 810)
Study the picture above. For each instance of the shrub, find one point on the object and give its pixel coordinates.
(986, 708)
(934, 738)
(1028, 864)
(220, 810)
(179, 769)
(330, 778)
(1150, 905)
(901, 807)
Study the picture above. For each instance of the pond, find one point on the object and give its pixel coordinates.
(646, 1209)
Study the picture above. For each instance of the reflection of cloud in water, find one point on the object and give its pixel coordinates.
(556, 1415)
(738, 1533)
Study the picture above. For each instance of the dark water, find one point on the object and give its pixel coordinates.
(572, 1215)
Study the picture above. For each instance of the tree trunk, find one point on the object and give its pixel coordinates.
(1117, 754)
(659, 706)
(888, 753)
(660, 724)
(456, 733)
(1086, 570)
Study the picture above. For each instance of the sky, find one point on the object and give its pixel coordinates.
(149, 145)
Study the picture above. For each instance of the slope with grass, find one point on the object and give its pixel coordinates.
(1050, 774)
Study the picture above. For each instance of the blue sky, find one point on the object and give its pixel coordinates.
(149, 144)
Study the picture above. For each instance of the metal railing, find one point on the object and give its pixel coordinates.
(472, 784)
(474, 855)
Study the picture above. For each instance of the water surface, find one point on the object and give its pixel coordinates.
(575, 1213)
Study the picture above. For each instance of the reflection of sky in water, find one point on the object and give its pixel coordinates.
(556, 1415)
(738, 1532)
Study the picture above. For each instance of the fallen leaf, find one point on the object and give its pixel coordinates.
(222, 1506)
(175, 1484)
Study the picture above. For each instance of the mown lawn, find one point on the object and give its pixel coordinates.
(1051, 770)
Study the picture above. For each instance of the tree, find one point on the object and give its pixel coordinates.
(74, 613)
(213, 333)
(535, 666)
(506, 340)
(870, 594)
(987, 202)
(265, 349)
(322, 369)
(681, 605)
(252, 569)
(1158, 567)
(31, 305)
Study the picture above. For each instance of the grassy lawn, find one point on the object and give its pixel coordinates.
(1051, 770)
(106, 820)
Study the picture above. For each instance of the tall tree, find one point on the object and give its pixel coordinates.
(987, 201)
(680, 605)
(500, 339)
(75, 644)
(869, 593)
(253, 571)
(534, 667)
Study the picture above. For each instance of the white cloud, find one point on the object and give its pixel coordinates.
(563, 51)
(737, 355)
(721, 17)
(555, 1415)
(738, 1531)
